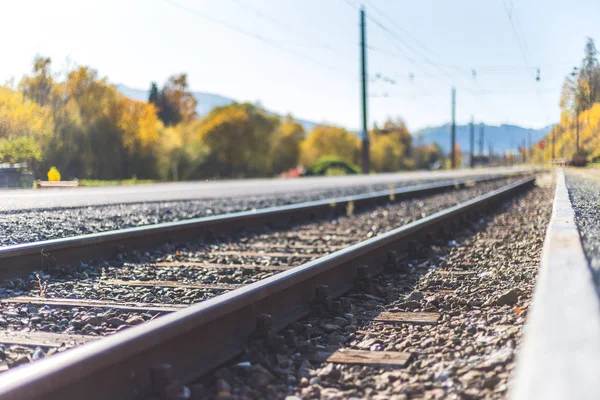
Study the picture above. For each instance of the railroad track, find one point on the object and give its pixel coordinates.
(257, 271)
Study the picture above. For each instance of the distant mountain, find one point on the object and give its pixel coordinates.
(503, 138)
(206, 102)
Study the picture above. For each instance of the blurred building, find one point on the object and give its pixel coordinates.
(15, 176)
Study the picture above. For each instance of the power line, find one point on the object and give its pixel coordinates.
(250, 34)
(510, 12)
(399, 39)
(516, 27)
(279, 23)
(389, 32)
(415, 40)
(441, 66)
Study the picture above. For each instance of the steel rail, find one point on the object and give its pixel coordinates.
(23, 259)
(203, 336)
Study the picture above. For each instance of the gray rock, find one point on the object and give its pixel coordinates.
(315, 380)
(330, 372)
(261, 376)
(330, 328)
(134, 320)
(19, 361)
(37, 354)
(367, 343)
(91, 319)
(116, 322)
(416, 296)
(411, 304)
(303, 370)
(508, 298)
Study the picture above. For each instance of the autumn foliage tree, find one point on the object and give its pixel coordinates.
(284, 151)
(175, 103)
(238, 137)
(329, 141)
(580, 112)
(95, 131)
(391, 147)
(25, 128)
(78, 122)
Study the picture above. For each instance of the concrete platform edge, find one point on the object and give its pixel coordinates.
(560, 355)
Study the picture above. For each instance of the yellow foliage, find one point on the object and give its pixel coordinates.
(238, 136)
(24, 127)
(563, 137)
(386, 153)
(53, 175)
(22, 118)
(284, 151)
(329, 141)
(139, 123)
(390, 147)
(458, 155)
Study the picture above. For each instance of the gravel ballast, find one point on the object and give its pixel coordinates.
(30, 226)
(480, 281)
(584, 192)
(88, 279)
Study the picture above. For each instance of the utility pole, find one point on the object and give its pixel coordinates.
(472, 133)
(481, 140)
(453, 130)
(363, 67)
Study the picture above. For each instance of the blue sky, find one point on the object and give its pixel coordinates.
(302, 56)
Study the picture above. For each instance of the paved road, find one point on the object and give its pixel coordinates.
(11, 200)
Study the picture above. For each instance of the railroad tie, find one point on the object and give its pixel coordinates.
(171, 284)
(68, 303)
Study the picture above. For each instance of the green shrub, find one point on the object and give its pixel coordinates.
(329, 165)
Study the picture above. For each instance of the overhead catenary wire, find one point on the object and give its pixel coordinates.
(405, 32)
(516, 27)
(253, 35)
(282, 25)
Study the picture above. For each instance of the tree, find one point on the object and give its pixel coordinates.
(581, 89)
(458, 155)
(284, 151)
(140, 135)
(580, 108)
(175, 103)
(39, 86)
(98, 133)
(428, 156)
(238, 137)
(153, 97)
(589, 77)
(329, 141)
(25, 127)
(391, 147)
